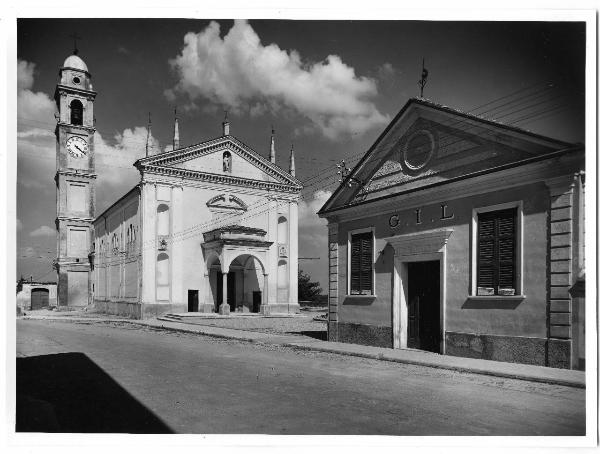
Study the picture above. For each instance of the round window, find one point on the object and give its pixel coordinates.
(418, 150)
(76, 80)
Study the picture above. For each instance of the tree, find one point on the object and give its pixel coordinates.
(307, 290)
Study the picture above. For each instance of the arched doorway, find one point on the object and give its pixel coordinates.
(242, 286)
(40, 298)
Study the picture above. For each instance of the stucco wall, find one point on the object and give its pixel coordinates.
(524, 318)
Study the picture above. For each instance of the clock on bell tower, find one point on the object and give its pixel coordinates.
(75, 181)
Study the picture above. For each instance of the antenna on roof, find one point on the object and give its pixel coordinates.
(423, 81)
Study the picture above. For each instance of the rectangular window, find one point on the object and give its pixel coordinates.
(497, 252)
(361, 264)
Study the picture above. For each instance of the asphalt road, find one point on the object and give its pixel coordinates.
(78, 377)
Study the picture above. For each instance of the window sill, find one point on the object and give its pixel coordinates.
(496, 298)
(350, 295)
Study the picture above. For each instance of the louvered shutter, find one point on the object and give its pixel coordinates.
(506, 252)
(496, 246)
(361, 263)
(366, 260)
(355, 266)
(485, 255)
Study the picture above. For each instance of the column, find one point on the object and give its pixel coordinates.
(265, 295)
(560, 242)
(207, 304)
(332, 325)
(224, 308)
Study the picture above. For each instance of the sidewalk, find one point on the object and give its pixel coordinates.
(527, 372)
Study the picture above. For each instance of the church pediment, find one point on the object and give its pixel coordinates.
(224, 159)
(427, 144)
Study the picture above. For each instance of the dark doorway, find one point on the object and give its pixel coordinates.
(39, 298)
(230, 290)
(256, 301)
(424, 306)
(192, 300)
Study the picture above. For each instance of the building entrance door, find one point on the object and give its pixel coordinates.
(192, 300)
(423, 327)
(39, 298)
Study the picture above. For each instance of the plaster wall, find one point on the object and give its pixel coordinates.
(463, 314)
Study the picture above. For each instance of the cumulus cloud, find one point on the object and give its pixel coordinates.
(44, 230)
(307, 210)
(238, 71)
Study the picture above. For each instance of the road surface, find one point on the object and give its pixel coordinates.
(111, 377)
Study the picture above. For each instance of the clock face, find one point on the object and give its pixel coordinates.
(77, 147)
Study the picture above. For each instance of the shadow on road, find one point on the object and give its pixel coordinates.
(68, 392)
(320, 335)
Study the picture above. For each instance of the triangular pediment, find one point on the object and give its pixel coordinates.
(224, 157)
(430, 144)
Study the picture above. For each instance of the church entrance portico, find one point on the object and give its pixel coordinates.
(236, 279)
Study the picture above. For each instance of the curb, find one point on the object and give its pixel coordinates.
(299, 346)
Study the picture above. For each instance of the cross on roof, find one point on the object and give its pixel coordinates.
(75, 37)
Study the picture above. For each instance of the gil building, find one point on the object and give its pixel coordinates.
(460, 236)
(208, 227)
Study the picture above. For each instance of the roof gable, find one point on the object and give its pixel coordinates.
(225, 156)
(427, 143)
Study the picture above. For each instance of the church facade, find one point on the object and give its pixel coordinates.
(460, 236)
(211, 227)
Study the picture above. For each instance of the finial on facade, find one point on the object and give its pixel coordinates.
(225, 125)
(148, 133)
(176, 132)
(272, 149)
(292, 162)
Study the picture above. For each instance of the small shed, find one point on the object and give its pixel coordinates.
(33, 296)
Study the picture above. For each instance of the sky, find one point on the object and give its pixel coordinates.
(327, 87)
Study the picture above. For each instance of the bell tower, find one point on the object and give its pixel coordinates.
(75, 181)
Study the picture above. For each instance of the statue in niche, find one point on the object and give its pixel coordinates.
(226, 162)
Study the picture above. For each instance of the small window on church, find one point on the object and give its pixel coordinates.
(76, 112)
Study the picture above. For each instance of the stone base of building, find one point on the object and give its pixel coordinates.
(205, 308)
(279, 308)
(512, 349)
(559, 353)
(358, 333)
(137, 310)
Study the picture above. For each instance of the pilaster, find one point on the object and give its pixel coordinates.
(560, 246)
(333, 282)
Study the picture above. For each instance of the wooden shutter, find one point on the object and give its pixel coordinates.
(496, 257)
(506, 246)
(366, 263)
(355, 266)
(361, 264)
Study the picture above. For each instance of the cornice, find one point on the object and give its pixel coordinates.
(74, 218)
(66, 88)
(73, 173)
(62, 124)
(221, 179)
(536, 172)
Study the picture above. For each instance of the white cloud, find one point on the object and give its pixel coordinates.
(307, 210)
(44, 230)
(238, 71)
(25, 75)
